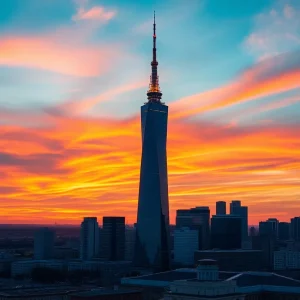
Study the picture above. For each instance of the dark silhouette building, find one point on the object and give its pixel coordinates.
(269, 227)
(196, 218)
(226, 232)
(295, 228)
(44, 243)
(152, 235)
(237, 209)
(220, 208)
(112, 238)
(284, 231)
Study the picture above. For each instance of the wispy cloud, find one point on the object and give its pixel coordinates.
(272, 76)
(94, 13)
(275, 31)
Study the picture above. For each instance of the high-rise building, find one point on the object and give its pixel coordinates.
(130, 234)
(113, 238)
(269, 227)
(196, 218)
(186, 242)
(226, 232)
(284, 231)
(237, 209)
(89, 238)
(152, 239)
(44, 243)
(220, 208)
(295, 228)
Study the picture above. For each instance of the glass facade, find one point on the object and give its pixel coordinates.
(152, 236)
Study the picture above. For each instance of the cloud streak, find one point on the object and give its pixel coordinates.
(49, 54)
(272, 76)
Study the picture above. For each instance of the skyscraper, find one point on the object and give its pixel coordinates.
(152, 235)
(44, 243)
(220, 208)
(196, 218)
(113, 238)
(242, 211)
(89, 238)
(295, 228)
(226, 232)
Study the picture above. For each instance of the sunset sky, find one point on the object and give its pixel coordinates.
(73, 75)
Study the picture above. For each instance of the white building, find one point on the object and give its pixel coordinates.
(186, 242)
(44, 243)
(89, 238)
(284, 259)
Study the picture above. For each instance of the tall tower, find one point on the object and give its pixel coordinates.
(152, 248)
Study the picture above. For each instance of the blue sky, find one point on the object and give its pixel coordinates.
(202, 45)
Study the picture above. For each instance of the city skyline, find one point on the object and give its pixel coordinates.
(75, 75)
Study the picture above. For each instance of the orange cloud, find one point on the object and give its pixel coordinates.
(237, 93)
(272, 76)
(51, 55)
(78, 167)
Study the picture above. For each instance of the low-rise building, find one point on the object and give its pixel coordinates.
(207, 282)
(25, 267)
(284, 259)
(41, 293)
(108, 294)
(233, 260)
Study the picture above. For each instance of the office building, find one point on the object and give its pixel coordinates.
(44, 243)
(269, 227)
(284, 231)
(237, 209)
(186, 242)
(267, 244)
(295, 228)
(226, 232)
(89, 238)
(233, 260)
(130, 234)
(196, 218)
(113, 238)
(152, 238)
(286, 260)
(220, 208)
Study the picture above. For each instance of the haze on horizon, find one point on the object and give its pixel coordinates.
(74, 73)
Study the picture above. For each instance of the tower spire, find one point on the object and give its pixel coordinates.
(154, 94)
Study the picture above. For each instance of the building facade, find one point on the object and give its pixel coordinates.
(237, 209)
(186, 242)
(295, 228)
(152, 236)
(44, 243)
(89, 238)
(196, 218)
(284, 230)
(226, 232)
(113, 238)
(220, 208)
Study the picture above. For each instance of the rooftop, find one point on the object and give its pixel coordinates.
(39, 291)
(243, 279)
(104, 291)
(229, 251)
